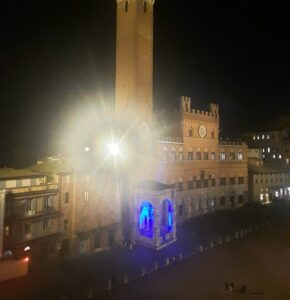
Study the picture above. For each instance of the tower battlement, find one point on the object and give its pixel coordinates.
(186, 108)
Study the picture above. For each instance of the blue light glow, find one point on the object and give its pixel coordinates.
(146, 219)
(167, 217)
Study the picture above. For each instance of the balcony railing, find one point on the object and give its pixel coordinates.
(34, 189)
(24, 214)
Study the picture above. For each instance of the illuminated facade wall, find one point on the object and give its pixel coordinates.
(209, 174)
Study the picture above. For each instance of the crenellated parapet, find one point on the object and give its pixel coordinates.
(186, 108)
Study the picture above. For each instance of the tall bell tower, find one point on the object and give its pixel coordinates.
(134, 60)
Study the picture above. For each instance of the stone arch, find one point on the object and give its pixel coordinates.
(166, 216)
(146, 219)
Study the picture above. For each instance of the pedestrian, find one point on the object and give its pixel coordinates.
(226, 286)
(243, 289)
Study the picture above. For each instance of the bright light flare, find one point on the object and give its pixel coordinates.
(26, 259)
(114, 149)
(87, 149)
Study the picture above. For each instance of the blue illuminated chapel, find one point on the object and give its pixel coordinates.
(154, 219)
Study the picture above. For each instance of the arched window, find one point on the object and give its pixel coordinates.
(146, 219)
(167, 216)
(190, 132)
(190, 155)
(198, 155)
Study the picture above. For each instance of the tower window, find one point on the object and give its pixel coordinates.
(145, 6)
(126, 6)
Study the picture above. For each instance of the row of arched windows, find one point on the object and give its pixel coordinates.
(179, 156)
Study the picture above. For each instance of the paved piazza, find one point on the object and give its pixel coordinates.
(260, 261)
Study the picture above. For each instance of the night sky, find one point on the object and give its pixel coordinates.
(56, 55)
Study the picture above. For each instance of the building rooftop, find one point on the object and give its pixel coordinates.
(267, 170)
(52, 167)
(10, 173)
(154, 185)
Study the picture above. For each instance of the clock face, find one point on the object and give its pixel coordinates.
(202, 131)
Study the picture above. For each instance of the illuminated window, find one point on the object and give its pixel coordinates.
(268, 136)
(254, 137)
(263, 150)
(212, 156)
(269, 150)
(263, 137)
(274, 156)
(280, 156)
(146, 219)
(264, 155)
(223, 156)
(258, 137)
(261, 197)
(86, 196)
(240, 156)
(67, 179)
(7, 230)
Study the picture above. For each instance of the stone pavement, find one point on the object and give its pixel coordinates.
(260, 261)
(74, 278)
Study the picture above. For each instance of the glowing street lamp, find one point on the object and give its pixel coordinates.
(87, 149)
(114, 149)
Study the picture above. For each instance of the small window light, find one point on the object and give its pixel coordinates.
(269, 149)
(280, 156)
(274, 156)
(263, 137)
(258, 137)
(268, 136)
(254, 137)
(263, 150)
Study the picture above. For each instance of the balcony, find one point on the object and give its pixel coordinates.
(22, 214)
(32, 190)
(39, 233)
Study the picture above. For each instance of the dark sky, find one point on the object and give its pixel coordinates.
(55, 54)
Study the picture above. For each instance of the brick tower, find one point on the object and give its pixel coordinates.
(134, 61)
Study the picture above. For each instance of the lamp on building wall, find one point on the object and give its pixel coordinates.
(114, 149)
